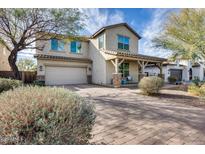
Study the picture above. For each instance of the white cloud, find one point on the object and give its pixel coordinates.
(97, 18)
(133, 23)
(152, 30)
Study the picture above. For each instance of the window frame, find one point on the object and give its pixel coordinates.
(58, 43)
(123, 43)
(103, 42)
(77, 43)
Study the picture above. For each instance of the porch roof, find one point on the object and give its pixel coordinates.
(125, 54)
(61, 58)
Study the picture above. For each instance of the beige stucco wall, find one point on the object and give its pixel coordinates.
(66, 52)
(45, 63)
(110, 69)
(99, 63)
(4, 53)
(134, 70)
(112, 40)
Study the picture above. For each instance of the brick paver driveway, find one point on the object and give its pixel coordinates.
(126, 117)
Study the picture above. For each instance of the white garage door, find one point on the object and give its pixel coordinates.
(65, 75)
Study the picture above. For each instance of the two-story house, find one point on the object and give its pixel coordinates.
(109, 56)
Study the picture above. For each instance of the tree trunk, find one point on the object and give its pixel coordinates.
(12, 62)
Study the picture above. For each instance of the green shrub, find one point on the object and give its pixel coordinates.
(172, 79)
(151, 85)
(43, 115)
(196, 81)
(39, 83)
(7, 84)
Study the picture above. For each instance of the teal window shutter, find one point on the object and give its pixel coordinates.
(54, 44)
(73, 47)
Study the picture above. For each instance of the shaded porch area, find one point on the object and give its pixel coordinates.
(124, 68)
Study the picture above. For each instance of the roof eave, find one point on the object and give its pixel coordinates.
(111, 26)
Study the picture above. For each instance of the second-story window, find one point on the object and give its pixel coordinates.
(123, 42)
(57, 45)
(75, 47)
(101, 42)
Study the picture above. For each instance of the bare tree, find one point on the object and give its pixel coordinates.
(21, 28)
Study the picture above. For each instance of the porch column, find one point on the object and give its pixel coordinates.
(116, 65)
(160, 68)
(116, 77)
(142, 64)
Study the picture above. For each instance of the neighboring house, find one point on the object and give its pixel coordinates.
(4, 64)
(182, 70)
(109, 56)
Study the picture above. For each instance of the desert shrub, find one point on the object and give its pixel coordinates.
(197, 90)
(43, 115)
(151, 85)
(194, 89)
(172, 79)
(7, 84)
(202, 90)
(196, 81)
(39, 83)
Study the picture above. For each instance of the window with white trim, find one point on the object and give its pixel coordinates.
(57, 45)
(75, 47)
(123, 42)
(101, 42)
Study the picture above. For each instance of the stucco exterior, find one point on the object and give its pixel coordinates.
(98, 64)
(198, 72)
(111, 38)
(66, 53)
(4, 65)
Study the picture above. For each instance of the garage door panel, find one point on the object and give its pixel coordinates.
(65, 75)
(176, 73)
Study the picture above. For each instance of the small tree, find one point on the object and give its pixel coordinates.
(26, 65)
(21, 28)
(184, 35)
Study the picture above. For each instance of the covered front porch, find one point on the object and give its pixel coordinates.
(128, 69)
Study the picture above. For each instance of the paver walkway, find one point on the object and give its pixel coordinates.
(126, 117)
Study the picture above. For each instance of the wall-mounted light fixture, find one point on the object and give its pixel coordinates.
(40, 68)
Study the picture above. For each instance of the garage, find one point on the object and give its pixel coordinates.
(65, 75)
(177, 73)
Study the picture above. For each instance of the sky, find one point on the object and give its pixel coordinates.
(148, 23)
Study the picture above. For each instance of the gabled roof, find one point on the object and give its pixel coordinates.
(115, 25)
